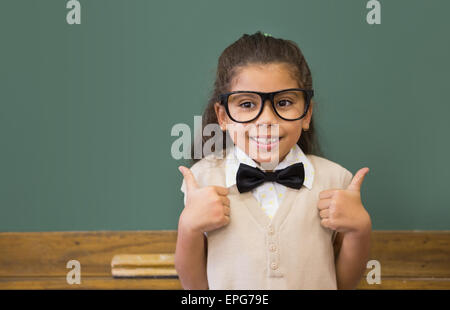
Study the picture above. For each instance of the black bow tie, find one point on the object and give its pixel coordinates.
(248, 177)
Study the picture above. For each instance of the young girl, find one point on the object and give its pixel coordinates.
(250, 222)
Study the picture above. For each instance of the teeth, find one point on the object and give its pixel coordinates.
(265, 140)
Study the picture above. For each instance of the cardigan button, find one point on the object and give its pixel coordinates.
(271, 231)
(273, 266)
(273, 248)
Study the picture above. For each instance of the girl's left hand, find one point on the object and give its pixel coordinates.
(342, 209)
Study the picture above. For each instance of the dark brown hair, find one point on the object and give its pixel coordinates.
(259, 48)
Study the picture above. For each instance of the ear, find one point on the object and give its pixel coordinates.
(308, 116)
(221, 115)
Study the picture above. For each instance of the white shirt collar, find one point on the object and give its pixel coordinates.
(235, 156)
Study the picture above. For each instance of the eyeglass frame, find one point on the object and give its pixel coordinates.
(264, 96)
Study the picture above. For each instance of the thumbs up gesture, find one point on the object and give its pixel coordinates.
(207, 208)
(342, 210)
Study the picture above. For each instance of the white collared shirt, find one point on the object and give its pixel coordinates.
(269, 194)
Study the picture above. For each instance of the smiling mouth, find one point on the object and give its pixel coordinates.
(266, 143)
(267, 140)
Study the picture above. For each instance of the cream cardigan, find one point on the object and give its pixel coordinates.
(290, 251)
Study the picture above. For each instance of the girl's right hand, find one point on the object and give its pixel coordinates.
(207, 208)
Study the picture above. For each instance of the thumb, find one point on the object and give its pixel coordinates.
(357, 180)
(189, 178)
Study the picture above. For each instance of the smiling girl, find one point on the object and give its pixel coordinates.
(269, 214)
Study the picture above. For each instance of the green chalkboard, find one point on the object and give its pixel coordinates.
(86, 110)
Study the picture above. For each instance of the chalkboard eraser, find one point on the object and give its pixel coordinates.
(143, 265)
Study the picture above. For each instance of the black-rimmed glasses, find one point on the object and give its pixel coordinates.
(245, 106)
